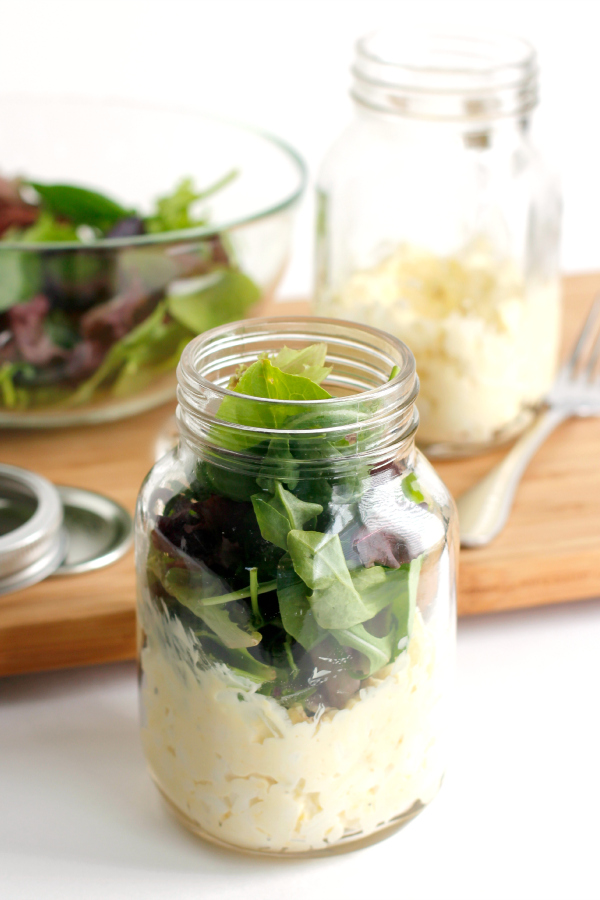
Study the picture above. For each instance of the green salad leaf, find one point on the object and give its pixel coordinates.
(174, 211)
(279, 464)
(151, 347)
(79, 206)
(187, 587)
(47, 228)
(296, 613)
(411, 489)
(282, 513)
(227, 296)
(377, 650)
(265, 380)
(317, 610)
(319, 561)
(307, 362)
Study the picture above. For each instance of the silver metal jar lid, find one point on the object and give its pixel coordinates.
(33, 541)
(100, 530)
(55, 530)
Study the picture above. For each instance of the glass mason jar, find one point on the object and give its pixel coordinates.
(438, 221)
(296, 565)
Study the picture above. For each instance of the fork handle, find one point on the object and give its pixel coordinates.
(484, 508)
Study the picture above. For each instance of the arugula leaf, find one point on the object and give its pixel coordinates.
(245, 664)
(282, 513)
(378, 586)
(226, 297)
(298, 512)
(239, 660)
(319, 561)
(378, 651)
(265, 380)
(274, 526)
(79, 206)
(174, 211)
(296, 614)
(279, 464)
(396, 588)
(189, 588)
(307, 362)
(147, 349)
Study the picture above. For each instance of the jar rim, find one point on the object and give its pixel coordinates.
(446, 75)
(187, 372)
(379, 418)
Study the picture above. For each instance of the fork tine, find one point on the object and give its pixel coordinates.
(588, 327)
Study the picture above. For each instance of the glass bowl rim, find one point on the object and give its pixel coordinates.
(163, 237)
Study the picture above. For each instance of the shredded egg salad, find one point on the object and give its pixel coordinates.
(246, 771)
(485, 340)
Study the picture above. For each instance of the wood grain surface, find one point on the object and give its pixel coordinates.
(548, 553)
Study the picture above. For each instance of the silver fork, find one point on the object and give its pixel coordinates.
(484, 508)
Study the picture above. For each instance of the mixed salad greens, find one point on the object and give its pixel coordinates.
(90, 321)
(275, 569)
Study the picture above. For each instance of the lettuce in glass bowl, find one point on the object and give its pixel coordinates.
(125, 231)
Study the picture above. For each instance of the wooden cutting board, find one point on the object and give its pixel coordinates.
(548, 553)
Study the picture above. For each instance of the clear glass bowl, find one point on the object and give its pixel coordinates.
(117, 293)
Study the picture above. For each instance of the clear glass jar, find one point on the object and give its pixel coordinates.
(438, 221)
(296, 567)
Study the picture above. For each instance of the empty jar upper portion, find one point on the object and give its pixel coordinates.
(439, 221)
(445, 76)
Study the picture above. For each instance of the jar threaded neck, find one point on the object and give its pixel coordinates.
(371, 413)
(446, 77)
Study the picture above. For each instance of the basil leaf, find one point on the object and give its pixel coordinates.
(80, 206)
(278, 515)
(296, 614)
(225, 299)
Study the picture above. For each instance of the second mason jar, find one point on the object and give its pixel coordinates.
(296, 569)
(438, 221)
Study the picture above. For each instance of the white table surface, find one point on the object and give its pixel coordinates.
(516, 818)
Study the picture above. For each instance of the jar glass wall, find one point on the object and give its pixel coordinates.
(296, 569)
(439, 221)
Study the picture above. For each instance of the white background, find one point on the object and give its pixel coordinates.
(518, 815)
